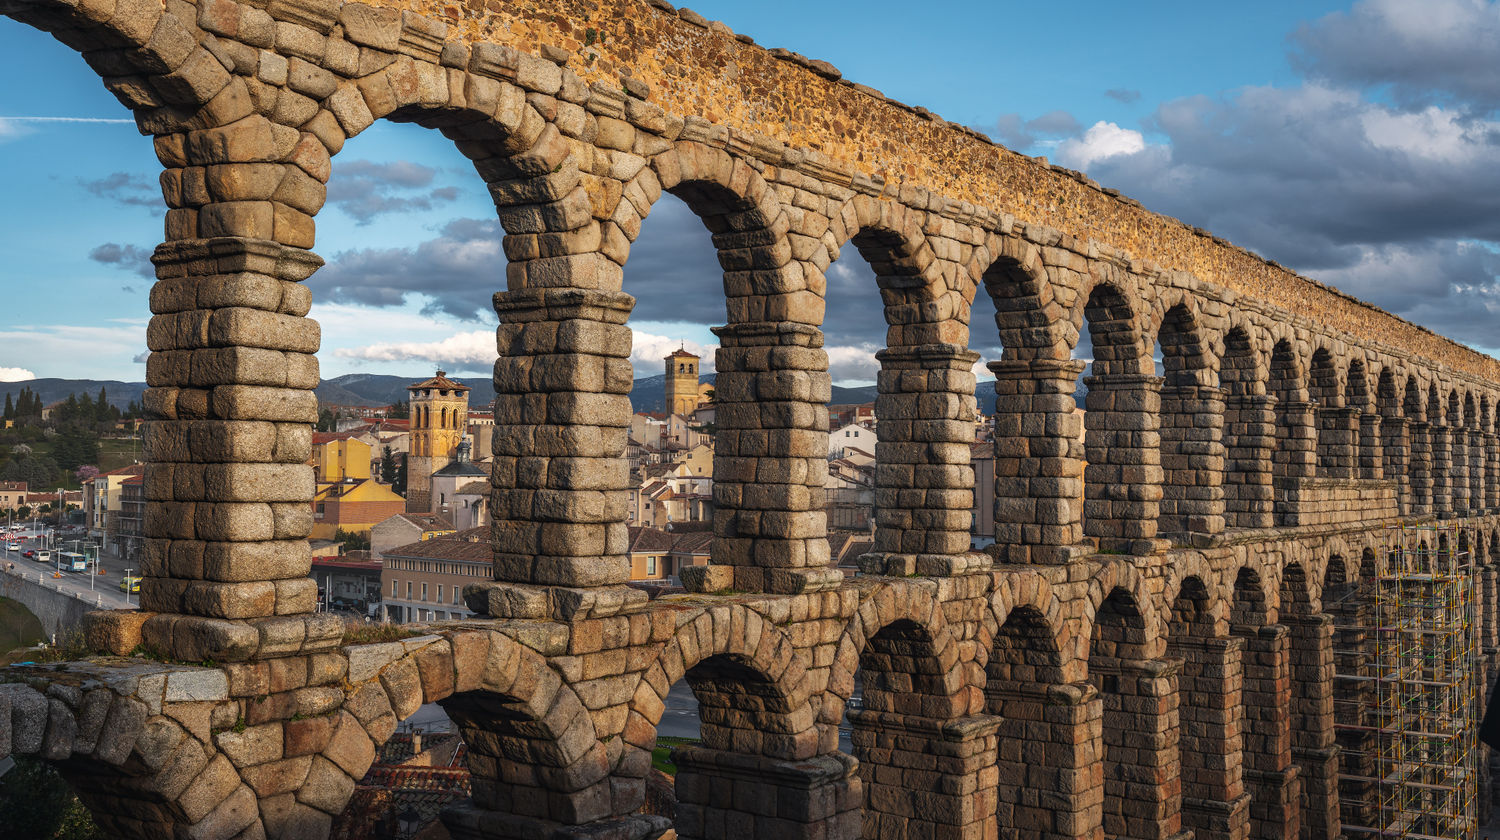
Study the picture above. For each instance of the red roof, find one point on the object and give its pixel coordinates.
(328, 437)
(440, 382)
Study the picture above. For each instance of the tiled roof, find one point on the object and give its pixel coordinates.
(440, 382)
(471, 546)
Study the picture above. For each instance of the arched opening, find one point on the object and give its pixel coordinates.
(1364, 422)
(1441, 442)
(908, 705)
(1249, 435)
(1395, 439)
(1274, 805)
(1211, 681)
(1335, 438)
(1122, 444)
(1489, 455)
(1420, 433)
(912, 469)
(1458, 442)
(1045, 735)
(1140, 724)
(1191, 430)
(1295, 453)
(1310, 647)
(1038, 453)
(1347, 599)
(1474, 445)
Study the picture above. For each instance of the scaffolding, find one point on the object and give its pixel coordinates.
(1407, 689)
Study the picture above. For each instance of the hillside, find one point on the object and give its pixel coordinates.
(371, 389)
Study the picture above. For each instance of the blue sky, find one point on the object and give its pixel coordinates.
(1357, 143)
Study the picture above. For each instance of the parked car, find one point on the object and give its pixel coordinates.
(131, 585)
(28, 554)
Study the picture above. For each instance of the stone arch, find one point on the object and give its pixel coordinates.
(111, 739)
(1296, 592)
(1031, 322)
(741, 651)
(1249, 428)
(1118, 579)
(1356, 387)
(919, 308)
(1250, 606)
(1110, 312)
(911, 607)
(1034, 595)
(532, 747)
(1191, 430)
(1295, 451)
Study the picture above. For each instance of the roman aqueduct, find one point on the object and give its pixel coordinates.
(1148, 654)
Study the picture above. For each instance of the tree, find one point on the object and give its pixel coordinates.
(399, 485)
(353, 540)
(326, 421)
(36, 802)
(23, 511)
(400, 411)
(37, 471)
(387, 466)
(86, 472)
(10, 409)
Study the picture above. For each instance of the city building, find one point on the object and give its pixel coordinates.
(350, 581)
(659, 555)
(439, 420)
(11, 494)
(131, 530)
(850, 435)
(101, 502)
(453, 478)
(406, 528)
(684, 391)
(424, 580)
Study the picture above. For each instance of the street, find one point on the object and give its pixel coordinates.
(105, 588)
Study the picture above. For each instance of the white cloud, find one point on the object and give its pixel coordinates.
(849, 365)
(475, 348)
(648, 350)
(1102, 140)
(1433, 133)
(15, 374)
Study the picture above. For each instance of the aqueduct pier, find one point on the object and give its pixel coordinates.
(1148, 655)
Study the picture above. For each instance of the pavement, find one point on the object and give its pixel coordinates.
(103, 588)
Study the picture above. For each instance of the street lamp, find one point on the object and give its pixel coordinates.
(127, 587)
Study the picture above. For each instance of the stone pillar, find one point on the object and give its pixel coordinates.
(1142, 770)
(1314, 747)
(1395, 446)
(1489, 636)
(1275, 801)
(770, 463)
(933, 779)
(1420, 468)
(1458, 488)
(1038, 460)
(1476, 472)
(1215, 805)
(1442, 470)
(1371, 460)
(733, 796)
(1296, 457)
(1192, 461)
(1250, 439)
(231, 407)
(560, 479)
(924, 494)
(1122, 479)
(1338, 441)
(1050, 787)
(1491, 446)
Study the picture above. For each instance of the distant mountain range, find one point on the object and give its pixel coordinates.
(649, 393)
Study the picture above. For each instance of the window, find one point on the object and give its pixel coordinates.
(651, 565)
(424, 590)
(408, 590)
(394, 584)
(440, 594)
(455, 594)
(846, 433)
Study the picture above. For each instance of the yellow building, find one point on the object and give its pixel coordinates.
(699, 460)
(684, 392)
(339, 457)
(439, 420)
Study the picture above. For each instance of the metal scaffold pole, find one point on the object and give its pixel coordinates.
(1408, 688)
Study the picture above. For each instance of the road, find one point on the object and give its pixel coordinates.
(103, 588)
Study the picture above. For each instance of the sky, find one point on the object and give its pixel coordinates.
(1357, 143)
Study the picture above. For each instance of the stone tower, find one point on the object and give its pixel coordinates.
(439, 420)
(682, 383)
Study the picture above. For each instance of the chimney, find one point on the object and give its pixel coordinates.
(416, 743)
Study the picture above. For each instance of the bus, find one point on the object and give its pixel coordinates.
(72, 561)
